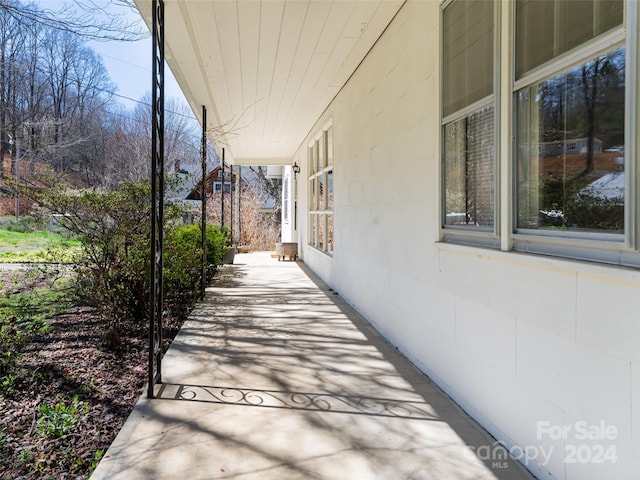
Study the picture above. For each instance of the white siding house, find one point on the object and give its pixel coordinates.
(531, 326)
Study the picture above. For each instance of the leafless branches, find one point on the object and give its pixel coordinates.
(91, 20)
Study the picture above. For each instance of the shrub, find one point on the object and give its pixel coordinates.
(594, 212)
(113, 228)
(25, 224)
(112, 268)
(112, 265)
(183, 262)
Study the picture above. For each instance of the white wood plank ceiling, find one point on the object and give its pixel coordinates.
(266, 69)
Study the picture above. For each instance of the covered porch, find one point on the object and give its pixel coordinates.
(275, 376)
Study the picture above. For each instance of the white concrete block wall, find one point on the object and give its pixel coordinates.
(520, 341)
(601, 318)
(553, 307)
(635, 408)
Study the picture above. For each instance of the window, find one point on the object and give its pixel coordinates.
(469, 170)
(468, 115)
(570, 179)
(570, 155)
(570, 118)
(320, 157)
(217, 187)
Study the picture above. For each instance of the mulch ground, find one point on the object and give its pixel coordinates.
(70, 361)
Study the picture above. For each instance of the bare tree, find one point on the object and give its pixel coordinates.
(257, 229)
(90, 97)
(12, 39)
(92, 20)
(56, 98)
(53, 91)
(272, 187)
(601, 78)
(131, 161)
(60, 50)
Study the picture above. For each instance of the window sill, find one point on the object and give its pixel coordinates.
(537, 260)
(476, 238)
(323, 252)
(609, 249)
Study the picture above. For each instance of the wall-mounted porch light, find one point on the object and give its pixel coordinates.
(296, 170)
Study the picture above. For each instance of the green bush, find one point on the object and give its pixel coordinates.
(191, 236)
(182, 262)
(596, 213)
(580, 206)
(24, 224)
(112, 268)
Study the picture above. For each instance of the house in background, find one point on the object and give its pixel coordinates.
(185, 177)
(232, 177)
(214, 182)
(569, 146)
(388, 116)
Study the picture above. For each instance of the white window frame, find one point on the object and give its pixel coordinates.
(593, 247)
(462, 233)
(217, 183)
(320, 162)
(619, 249)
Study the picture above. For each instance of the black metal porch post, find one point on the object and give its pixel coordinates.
(203, 195)
(231, 188)
(157, 197)
(222, 194)
(239, 211)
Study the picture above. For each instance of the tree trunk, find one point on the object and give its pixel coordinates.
(590, 92)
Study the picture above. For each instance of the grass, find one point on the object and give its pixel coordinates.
(30, 247)
(36, 305)
(23, 316)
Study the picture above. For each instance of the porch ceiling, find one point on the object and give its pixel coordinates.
(266, 69)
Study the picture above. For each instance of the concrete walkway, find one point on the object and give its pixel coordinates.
(275, 377)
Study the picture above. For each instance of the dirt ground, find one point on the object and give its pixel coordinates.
(572, 165)
(69, 361)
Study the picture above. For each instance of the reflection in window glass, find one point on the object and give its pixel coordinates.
(469, 170)
(321, 192)
(468, 132)
(313, 238)
(321, 231)
(330, 190)
(570, 148)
